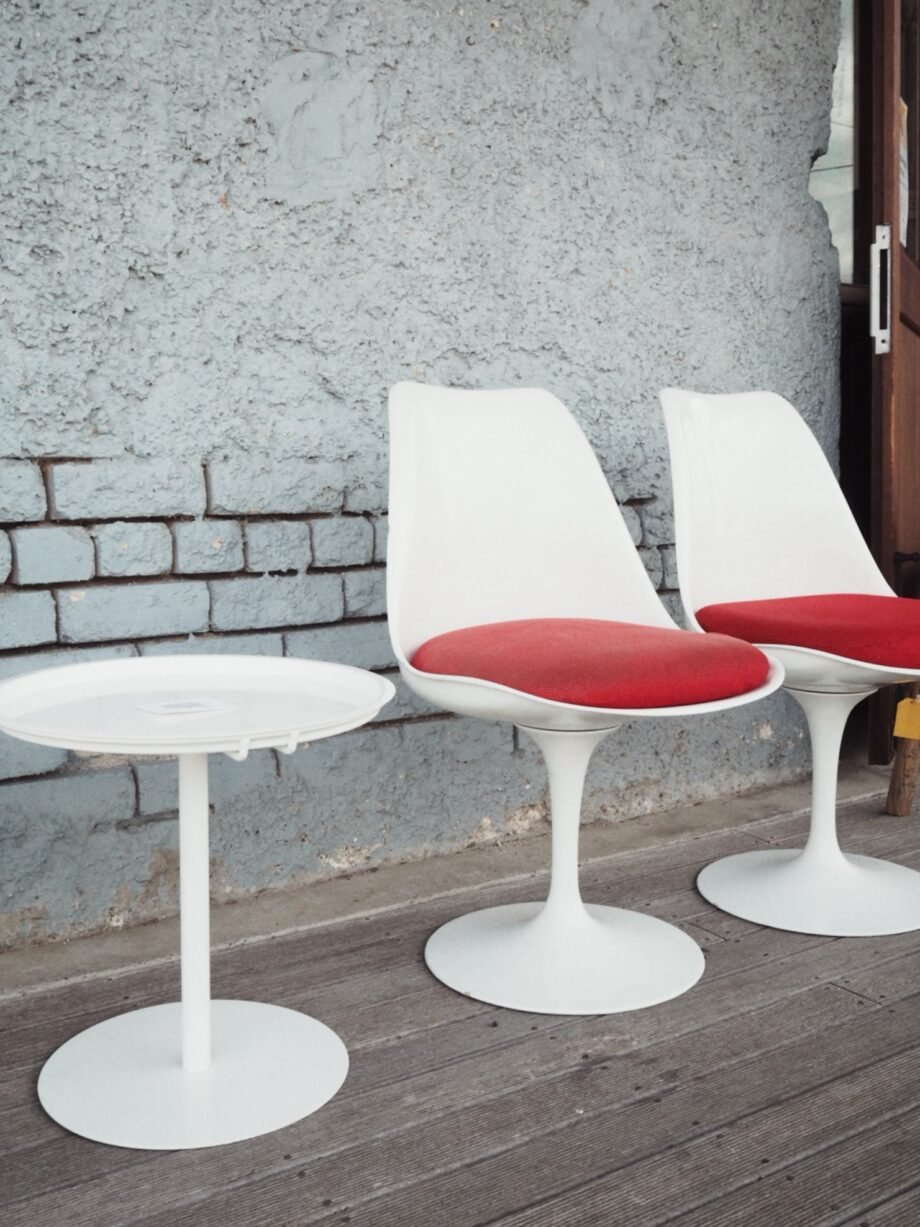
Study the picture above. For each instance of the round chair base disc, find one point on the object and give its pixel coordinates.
(122, 1081)
(599, 960)
(846, 896)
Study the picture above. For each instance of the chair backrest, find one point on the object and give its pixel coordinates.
(499, 510)
(758, 511)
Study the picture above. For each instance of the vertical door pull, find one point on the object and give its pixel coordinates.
(880, 290)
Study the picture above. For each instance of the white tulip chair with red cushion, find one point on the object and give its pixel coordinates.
(768, 550)
(515, 593)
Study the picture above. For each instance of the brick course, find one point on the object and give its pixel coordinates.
(263, 485)
(22, 491)
(633, 523)
(48, 554)
(278, 545)
(26, 618)
(365, 593)
(368, 492)
(208, 545)
(285, 600)
(342, 541)
(116, 489)
(132, 611)
(669, 566)
(234, 645)
(129, 548)
(158, 782)
(381, 528)
(363, 644)
(652, 561)
(22, 758)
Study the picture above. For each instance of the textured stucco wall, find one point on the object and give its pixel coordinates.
(225, 229)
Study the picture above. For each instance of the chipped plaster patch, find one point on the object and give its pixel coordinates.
(483, 832)
(349, 857)
(26, 924)
(526, 818)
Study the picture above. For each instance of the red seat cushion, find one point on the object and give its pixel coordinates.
(880, 630)
(596, 663)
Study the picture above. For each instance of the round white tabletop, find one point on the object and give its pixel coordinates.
(196, 1072)
(189, 704)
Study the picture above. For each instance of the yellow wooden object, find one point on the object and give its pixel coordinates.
(907, 719)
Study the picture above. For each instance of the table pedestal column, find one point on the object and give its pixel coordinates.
(194, 911)
(199, 1072)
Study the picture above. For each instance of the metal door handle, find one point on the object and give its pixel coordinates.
(881, 333)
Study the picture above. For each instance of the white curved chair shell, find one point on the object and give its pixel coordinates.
(759, 514)
(542, 539)
(499, 511)
(789, 531)
(532, 529)
(491, 701)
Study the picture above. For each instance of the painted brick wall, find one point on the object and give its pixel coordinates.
(226, 230)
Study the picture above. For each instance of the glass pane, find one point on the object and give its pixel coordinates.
(909, 149)
(833, 178)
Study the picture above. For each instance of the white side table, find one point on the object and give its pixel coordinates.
(196, 1072)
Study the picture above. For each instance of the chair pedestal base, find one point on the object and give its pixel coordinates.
(122, 1081)
(590, 960)
(834, 896)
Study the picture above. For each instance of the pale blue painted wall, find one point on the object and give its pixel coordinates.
(226, 230)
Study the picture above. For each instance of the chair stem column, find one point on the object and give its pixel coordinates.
(194, 912)
(826, 713)
(567, 755)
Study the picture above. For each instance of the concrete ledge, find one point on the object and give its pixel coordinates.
(272, 913)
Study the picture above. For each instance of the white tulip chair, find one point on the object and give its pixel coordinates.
(769, 551)
(515, 593)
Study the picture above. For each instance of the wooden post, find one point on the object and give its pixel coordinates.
(904, 772)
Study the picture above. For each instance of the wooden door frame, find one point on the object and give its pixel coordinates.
(895, 438)
(886, 53)
(886, 60)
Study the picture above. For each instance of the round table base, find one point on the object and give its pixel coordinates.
(122, 1081)
(601, 960)
(841, 896)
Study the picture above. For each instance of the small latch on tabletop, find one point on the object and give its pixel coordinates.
(292, 744)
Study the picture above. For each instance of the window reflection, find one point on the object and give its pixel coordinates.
(909, 100)
(833, 179)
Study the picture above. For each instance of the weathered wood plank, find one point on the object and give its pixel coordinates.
(836, 1184)
(900, 1211)
(877, 834)
(624, 1167)
(889, 981)
(721, 925)
(68, 1157)
(439, 1082)
(549, 1131)
(250, 976)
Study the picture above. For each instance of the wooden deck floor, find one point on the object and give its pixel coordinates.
(782, 1091)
